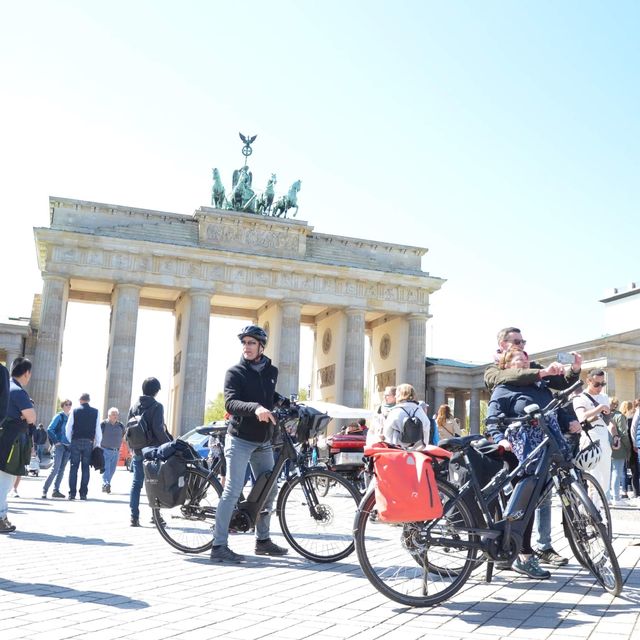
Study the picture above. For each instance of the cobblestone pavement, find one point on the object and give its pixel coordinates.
(75, 569)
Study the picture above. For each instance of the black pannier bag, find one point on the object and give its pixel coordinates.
(165, 473)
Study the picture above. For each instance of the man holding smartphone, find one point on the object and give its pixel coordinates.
(555, 377)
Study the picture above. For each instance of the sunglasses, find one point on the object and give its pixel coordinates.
(518, 342)
(599, 384)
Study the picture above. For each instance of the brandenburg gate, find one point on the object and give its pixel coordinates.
(276, 272)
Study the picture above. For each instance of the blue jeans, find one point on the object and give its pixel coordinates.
(80, 456)
(41, 449)
(61, 455)
(110, 462)
(618, 478)
(136, 485)
(6, 482)
(239, 453)
(542, 524)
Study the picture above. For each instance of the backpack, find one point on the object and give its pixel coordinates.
(165, 474)
(406, 488)
(137, 432)
(411, 431)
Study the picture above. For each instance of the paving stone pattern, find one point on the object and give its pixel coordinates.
(77, 569)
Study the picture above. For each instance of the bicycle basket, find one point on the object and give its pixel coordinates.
(308, 423)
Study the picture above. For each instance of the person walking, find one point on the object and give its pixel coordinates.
(620, 446)
(40, 442)
(249, 396)
(61, 450)
(153, 413)
(15, 439)
(112, 433)
(84, 433)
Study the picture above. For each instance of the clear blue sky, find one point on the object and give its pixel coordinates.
(503, 136)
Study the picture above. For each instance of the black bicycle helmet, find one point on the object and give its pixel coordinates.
(256, 332)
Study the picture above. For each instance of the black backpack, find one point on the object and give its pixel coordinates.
(412, 430)
(137, 433)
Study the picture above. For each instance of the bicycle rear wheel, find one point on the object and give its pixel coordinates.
(588, 538)
(405, 563)
(189, 526)
(318, 526)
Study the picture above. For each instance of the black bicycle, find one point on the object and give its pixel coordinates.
(424, 563)
(317, 527)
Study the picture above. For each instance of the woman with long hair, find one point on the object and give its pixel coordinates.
(448, 426)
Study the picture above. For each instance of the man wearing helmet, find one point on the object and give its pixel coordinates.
(249, 396)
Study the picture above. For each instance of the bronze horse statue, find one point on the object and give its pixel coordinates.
(284, 203)
(217, 191)
(265, 201)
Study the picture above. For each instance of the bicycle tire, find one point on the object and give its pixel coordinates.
(323, 532)
(402, 565)
(599, 499)
(189, 526)
(588, 536)
(322, 486)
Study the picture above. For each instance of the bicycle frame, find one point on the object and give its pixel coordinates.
(249, 508)
(501, 539)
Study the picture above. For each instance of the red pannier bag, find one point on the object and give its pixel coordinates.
(406, 489)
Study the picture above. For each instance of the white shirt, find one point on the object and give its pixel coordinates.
(582, 404)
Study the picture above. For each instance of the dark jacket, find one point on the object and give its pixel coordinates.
(4, 391)
(85, 419)
(511, 399)
(493, 376)
(245, 389)
(154, 417)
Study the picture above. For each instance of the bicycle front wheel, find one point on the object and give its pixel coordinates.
(599, 499)
(189, 526)
(588, 538)
(404, 561)
(317, 525)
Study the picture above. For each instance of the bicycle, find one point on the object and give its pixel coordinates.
(318, 528)
(424, 563)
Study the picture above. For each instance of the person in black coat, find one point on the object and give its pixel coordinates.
(153, 412)
(249, 397)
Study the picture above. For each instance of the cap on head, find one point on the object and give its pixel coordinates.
(254, 331)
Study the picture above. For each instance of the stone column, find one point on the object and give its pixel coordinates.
(46, 365)
(439, 398)
(416, 351)
(289, 352)
(195, 361)
(122, 347)
(637, 388)
(353, 385)
(460, 407)
(611, 381)
(474, 411)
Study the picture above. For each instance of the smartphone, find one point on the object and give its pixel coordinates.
(564, 357)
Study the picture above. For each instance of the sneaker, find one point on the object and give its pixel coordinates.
(83, 497)
(502, 566)
(14, 494)
(57, 494)
(107, 488)
(269, 548)
(70, 497)
(530, 568)
(224, 554)
(6, 526)
(549, 556)
(104, 488)
(44, 495)
(135, 522)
